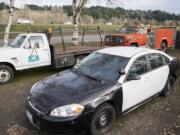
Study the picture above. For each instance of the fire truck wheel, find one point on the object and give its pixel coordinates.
(164, 46)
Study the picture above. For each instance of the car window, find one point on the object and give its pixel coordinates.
(139, 66)
(36, 42)
(155, 60)
(102, 66)
(166, 59)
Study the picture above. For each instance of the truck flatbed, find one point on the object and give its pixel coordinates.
(71, 54)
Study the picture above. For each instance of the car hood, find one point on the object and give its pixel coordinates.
(64, 88)
(8, 52)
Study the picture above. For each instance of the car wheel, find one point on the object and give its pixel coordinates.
(6, 74)
(164, 46)
(168, 87)
(101, 123)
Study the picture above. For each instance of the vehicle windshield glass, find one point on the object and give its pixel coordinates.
(102, 66)
(128, 30)
(18, 41)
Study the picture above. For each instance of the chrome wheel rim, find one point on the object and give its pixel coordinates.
(103, 120)
(4, 75)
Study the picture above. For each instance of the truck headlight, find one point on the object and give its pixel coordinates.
(67, 111)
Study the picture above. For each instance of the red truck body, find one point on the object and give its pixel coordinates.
(161, 38)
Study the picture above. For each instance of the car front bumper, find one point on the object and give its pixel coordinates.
(63, 126)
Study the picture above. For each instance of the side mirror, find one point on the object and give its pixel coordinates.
(133, 77)
(121, 72)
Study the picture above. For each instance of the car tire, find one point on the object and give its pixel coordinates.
(168, 89)
(163, 46)
(101, 122)
(6, 74)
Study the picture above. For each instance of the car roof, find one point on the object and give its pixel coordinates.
(126, 51)
(32, 34)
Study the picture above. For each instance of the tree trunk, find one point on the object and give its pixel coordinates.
(8, 27)
(7, 30)
(75, 38)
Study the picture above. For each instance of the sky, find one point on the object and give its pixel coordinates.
(172, 6)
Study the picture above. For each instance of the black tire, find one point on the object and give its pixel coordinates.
(134, 45)
(101, 122)
(6, 74)
(168, 89)
(79, 58)
(163, 46)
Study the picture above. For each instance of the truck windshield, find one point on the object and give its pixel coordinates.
(128, 30)
(18, 41)
(102, 66)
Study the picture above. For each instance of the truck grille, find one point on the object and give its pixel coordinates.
(114, 41)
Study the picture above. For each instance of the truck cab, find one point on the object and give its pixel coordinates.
(26, 51)
(127, 36)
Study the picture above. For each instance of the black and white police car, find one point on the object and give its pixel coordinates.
(108, 82)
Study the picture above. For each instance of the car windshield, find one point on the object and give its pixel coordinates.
(18, 41)
(104, 67)
(128, 30)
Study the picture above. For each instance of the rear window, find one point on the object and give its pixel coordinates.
(166, 59)
(155, 60)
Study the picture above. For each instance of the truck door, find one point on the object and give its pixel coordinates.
(35, 53)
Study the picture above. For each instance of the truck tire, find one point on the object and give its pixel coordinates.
(134, 45)
(163, 46)
(6, 74)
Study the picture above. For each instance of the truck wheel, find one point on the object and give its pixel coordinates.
(163, 46)
(6, 74)
(134, 45)
(101, 123)
(168, 87)
(79, 58)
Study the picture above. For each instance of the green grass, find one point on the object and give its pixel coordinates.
(41, 27)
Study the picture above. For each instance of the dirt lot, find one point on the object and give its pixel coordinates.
(161, 116)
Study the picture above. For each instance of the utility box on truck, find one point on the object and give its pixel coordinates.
(177, 41)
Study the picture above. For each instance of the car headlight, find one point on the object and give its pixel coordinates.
(67, 111)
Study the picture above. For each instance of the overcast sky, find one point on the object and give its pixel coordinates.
(172, 6)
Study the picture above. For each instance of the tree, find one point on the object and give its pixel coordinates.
(77, 6)
(8, 27)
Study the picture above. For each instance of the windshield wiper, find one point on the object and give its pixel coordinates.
(93, 78)
(87, 76)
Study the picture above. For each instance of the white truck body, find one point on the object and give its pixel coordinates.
(33, 52)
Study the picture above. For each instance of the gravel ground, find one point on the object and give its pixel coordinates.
(161, 116)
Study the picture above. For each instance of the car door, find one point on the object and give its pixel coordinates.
(35, 53)
(136, 91)
(159, 72)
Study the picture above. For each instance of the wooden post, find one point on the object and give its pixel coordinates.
(99, 31)
(84, 31)
(64, 48)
